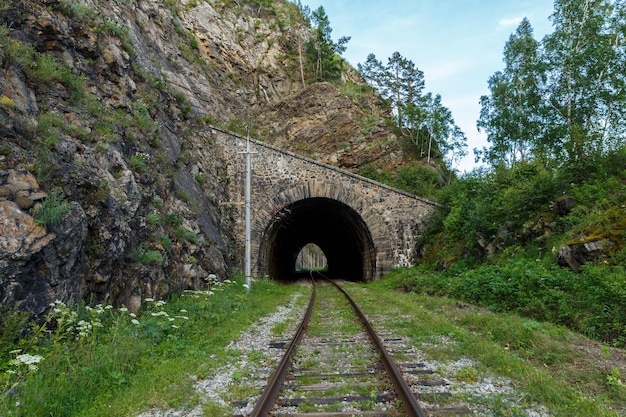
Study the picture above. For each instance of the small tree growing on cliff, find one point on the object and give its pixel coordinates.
(298, 28)
(323, 50)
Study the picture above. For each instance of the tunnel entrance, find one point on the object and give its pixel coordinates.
(311, 258)
(338, 231)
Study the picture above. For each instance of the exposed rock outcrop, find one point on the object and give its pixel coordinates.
(326, 125)
(574, 256)
(105, 102)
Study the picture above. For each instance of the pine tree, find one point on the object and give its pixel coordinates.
(326, 53)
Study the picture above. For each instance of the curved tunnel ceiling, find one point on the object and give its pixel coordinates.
(336, 228)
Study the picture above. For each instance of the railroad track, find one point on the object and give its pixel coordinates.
(336, 365)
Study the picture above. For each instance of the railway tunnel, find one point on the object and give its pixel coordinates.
(333, 226)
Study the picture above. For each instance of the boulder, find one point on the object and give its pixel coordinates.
(575, 255)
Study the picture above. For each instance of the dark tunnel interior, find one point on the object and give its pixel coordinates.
(336, 228)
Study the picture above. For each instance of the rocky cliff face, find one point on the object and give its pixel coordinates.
(109, 184)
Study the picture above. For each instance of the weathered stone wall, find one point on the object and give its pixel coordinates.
(395, 219)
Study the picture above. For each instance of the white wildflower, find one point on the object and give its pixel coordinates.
(29, 359)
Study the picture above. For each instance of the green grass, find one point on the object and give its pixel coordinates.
(549, 364)
(147, 256)
(122, 368)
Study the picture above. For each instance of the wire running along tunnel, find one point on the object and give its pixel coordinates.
(336, 228)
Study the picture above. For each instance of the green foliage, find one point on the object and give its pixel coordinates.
(147, 256)
(498, 206)
(53, 208)
(543, 360)
(417, 179)
(113, 28)
(422, 118)
(508, 118)
(153, 218)
(50, 127)
(322, 50)
(102, 193)
(173, 220)
(517, 206)
(11, 326)
(75, 9)
(560, 100)
(590, 302)
(7, 102)
(614, 379)
(142, 118)
(238, 125)
(103, 361)
(138, 163)
(42, 67)
(376, 173)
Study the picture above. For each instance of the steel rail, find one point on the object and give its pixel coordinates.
(266, 401)
(412, 408)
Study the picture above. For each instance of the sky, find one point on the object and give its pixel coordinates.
(458, 44)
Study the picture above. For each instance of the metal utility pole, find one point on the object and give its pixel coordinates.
(248, 249)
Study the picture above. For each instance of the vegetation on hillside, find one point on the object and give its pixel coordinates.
(420, 117)
(555, 177)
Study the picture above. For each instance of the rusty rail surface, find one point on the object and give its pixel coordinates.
(412, 408)
(266, 401)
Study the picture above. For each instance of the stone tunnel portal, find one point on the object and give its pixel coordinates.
(336, 228)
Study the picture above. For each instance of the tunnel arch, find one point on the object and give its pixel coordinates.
(336, 228)
(395, 219)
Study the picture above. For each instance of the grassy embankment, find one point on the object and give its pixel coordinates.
(108, 362)
(122, 366)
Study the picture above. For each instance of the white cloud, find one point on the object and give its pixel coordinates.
(510, 22)
(444, 70)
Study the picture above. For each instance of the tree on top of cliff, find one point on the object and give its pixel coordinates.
(422, 118)
(323, 50)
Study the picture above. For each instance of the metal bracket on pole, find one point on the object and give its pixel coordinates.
(248, 204)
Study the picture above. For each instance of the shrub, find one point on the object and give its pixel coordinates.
(591, 302)
(153, 218)
(75, 9)
(53, 209)
(147, 257)
(138, 164)
(419, 180)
